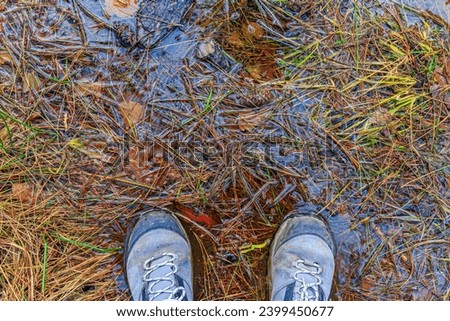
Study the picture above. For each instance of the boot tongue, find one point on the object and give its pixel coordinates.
(304, 292)
(294, 289)
(307, 281)
(163, 280)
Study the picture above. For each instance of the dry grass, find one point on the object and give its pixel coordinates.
(340, 107)
(52, 245)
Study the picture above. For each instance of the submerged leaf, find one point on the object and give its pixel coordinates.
(121, 8)
(22, 192)
(90, 87)
(5, 57)
(442, 75)
(248, 121)
(31, 81)
(132, 112)
(90, 151)
(380, 117)
(253, 30)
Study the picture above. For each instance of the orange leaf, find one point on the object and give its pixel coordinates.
(198, 218)
(22, 192)
(247, 121)
(121, 8)
(253, 30)
(132, 112)
(367, 283)
(5, 58)
(31, 81)
(90, 87)
(235, 40)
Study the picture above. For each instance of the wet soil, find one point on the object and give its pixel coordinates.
(218, 133)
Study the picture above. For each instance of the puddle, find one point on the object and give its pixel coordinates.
(215, 116)
(440, 8)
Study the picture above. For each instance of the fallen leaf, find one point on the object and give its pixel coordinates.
(158, 154)
(5, 57)
(380, 117)
(89, 87)
(22, 192)
(76, 143)
(98, 155)
(121, 8)
(367, 283)
(122, 3)
(235, 39)
(173, 174)
(248, 121)
(198, 218)
(90, 151)
(253, 30)
(442, 75)
(138, 159)
(5, 133)
(240, 3)
(132, 112)
(133, 158)
(31, 81)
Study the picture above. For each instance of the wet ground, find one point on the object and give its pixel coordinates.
(439, 7)
(210, 117)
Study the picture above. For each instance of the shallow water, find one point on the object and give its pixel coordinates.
(438, 7)
(225, 144)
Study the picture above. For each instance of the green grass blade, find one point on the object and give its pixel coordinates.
(44, 265)
(86, 245)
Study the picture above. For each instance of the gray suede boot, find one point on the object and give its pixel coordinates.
(157, 259)
(301, 262)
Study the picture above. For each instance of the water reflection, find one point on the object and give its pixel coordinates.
(438, 7)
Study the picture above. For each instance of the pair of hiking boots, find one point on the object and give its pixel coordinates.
(158, 259)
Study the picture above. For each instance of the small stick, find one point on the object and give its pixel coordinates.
(80, 24)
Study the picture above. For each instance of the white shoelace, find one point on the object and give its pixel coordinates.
(302, 288)
(165, 261)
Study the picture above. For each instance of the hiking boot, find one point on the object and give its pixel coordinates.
(157, 259)
(301, 262)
